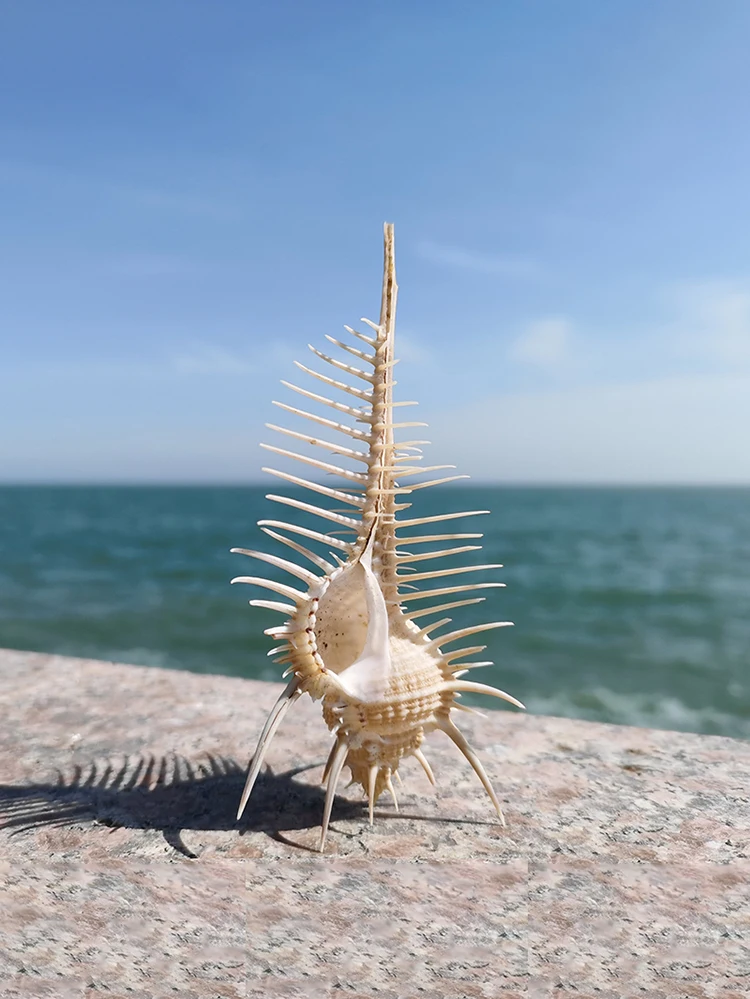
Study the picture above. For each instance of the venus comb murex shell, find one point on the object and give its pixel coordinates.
(350, 638)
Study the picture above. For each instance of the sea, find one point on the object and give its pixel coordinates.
(630, 605)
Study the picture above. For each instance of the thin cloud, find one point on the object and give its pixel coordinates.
(712, 320)
(411, 348)
(196, 359)
(482, 263)
(706, 327)
(676, 429)
(667, 403)
(209, 360)
(543, 342)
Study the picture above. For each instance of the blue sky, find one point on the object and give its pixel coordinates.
(193, 192)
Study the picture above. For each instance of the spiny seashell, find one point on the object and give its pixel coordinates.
(350, 637)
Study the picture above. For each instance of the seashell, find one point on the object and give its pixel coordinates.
(351, 637)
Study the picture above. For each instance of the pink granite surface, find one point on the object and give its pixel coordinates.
(624, 869)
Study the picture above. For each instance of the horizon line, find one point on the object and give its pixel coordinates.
(259, 484)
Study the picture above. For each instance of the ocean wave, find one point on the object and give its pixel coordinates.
(642, 710)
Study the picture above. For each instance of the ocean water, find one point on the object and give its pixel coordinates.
(630, 605)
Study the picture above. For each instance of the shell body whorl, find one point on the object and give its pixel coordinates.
(351, 637)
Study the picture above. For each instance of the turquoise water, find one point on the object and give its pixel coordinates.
(630, 605)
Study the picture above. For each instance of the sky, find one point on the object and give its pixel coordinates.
(192, 192)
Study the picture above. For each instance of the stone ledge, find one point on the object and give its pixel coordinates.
(624, 869)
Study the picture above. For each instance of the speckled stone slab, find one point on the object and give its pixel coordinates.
(623, 871)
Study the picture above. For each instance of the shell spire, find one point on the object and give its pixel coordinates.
(350, 637)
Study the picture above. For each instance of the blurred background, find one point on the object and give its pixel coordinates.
(191, 193)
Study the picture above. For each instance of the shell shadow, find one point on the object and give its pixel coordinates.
(171, 794)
